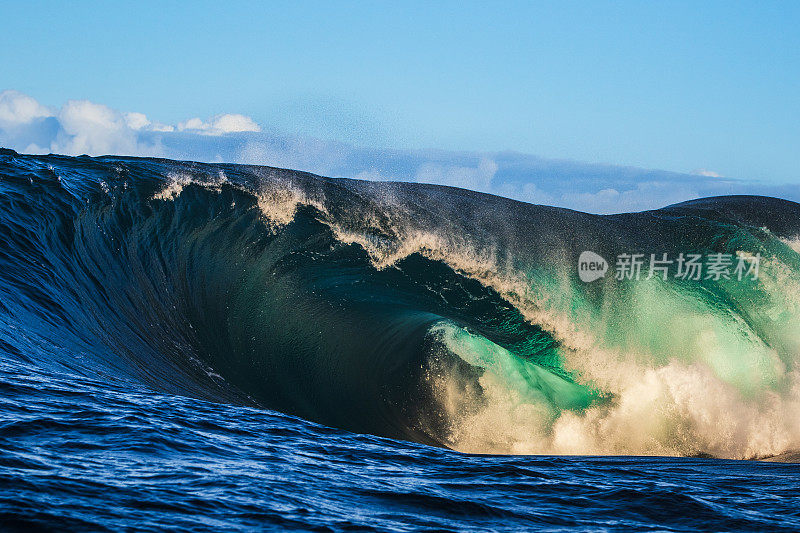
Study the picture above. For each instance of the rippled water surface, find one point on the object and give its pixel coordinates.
(82, 454)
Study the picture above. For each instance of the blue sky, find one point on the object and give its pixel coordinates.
(678, 86)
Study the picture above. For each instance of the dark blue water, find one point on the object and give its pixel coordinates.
(205, 347)
(80, 454)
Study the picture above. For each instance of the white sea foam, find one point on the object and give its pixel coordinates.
(178, 180)
(174, 187)
(279, 202)
(713, 387)
(793, 243)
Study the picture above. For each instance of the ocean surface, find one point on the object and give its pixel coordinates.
(208, 346)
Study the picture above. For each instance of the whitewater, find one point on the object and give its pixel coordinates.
(214, 345)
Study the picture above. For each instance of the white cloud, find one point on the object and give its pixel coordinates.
(84, 127)
(159, 127)
(526, 192)
(19, 109)
(707, 173)
(137, 121)
(230, 123)
(193, 124)
(220, 124)
(140, 122)
(641, 197)
(89, 128)
(478, 178)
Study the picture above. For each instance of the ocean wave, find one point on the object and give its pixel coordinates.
(419, 312)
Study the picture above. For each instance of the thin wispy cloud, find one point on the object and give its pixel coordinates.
(707, 173)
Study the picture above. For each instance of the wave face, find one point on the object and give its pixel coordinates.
(415, 312)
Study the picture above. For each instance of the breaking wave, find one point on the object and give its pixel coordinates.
(412, 311)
